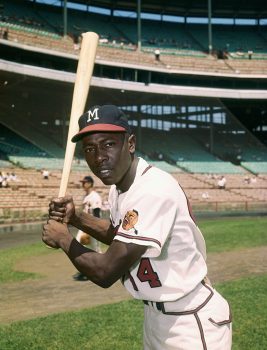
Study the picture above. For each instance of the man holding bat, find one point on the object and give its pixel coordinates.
(155, 247)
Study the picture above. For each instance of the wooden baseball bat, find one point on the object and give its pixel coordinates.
(80, 93)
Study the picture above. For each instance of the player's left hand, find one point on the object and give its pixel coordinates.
(54, 233)
(62, 209)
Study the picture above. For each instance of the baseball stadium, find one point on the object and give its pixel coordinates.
(191, 77)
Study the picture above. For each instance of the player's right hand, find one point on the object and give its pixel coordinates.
(62, 209)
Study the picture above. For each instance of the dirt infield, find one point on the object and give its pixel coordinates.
(58, 292)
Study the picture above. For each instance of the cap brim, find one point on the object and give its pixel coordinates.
(97, 127)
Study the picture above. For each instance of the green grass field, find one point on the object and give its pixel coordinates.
(119, 326)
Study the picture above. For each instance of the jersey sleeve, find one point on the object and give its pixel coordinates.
(148, 220)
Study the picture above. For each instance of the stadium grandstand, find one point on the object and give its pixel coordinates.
(191, 76)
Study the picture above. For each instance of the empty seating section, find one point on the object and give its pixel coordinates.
(101, 24)
(175, 145)
(29, 196)
(15, 145)
(43, 26)
(127, 27)
(241, 146)
(190, 181)
(44, 162)
(212, 167)
(168, 35)
(181, 148)
(5, 164)
(23, 153)
(32, 190)
(254, 158)
(254, 153)
(164, 166)
(252, 194)
(239, 188)
(23, 16)
(245, 181)
(215, 195)
(231, 38)
(244, 148)
(255, 167)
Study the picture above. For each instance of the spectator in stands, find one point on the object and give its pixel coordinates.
(5, 34)
(250, 53)
(239, 158)
(221, 182)
(247, 180)
(157, 55)
(253, 180)
(103, 41)
(92, 204)
(3, 180)
(45, 174)
(13, 177)
(8, 177)
(205, 195)
(76, 42)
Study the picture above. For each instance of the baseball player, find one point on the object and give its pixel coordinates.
(155, 246)
(92, 204)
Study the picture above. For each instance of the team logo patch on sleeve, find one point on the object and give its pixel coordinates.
(130, 220)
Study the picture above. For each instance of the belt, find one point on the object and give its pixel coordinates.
(159, 305)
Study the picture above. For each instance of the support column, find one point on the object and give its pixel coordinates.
(65, 19)
(210, 27)
(139, 35)
(211, 130)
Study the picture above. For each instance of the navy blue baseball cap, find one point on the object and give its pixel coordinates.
(87, 179)
(106, 118)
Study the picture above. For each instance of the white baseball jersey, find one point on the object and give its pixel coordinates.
(154, 212)
(91, 202)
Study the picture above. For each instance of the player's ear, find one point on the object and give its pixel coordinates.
(132, 143)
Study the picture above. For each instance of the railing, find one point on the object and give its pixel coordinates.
(34, 214)
(237, 206)
(23, 214)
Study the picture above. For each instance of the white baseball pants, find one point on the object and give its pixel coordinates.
(200, 321)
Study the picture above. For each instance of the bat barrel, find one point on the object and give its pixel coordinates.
(80, 93)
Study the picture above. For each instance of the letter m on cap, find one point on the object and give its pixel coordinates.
(92, 115)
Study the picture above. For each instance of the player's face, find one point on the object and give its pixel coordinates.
(87, 185)
(109, 156)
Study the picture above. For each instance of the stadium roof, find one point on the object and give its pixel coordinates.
(188, 8)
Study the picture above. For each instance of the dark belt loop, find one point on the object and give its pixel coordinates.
(159, 306)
